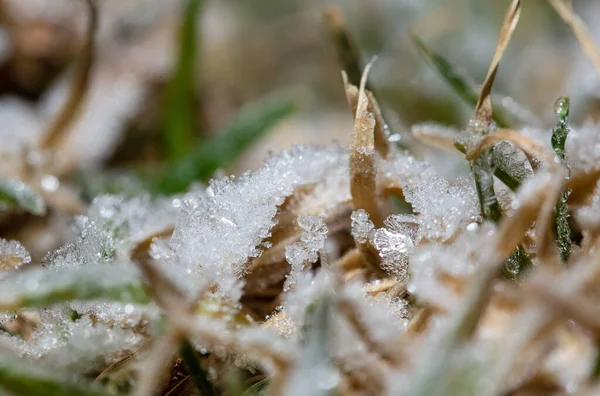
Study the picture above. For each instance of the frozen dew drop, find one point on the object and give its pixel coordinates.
(561, 107)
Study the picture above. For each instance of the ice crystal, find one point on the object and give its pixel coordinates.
(12, 254)
(583, 148)
(218, 233)
(312, 242)
(443, 208)
(362, 227)
(394, 243)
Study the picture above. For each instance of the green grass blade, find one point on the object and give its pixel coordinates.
(21, 378)
(192, 362)
(45, 287)
(457, 82)
(252, 122)
(178, 112)
(561, 211)
(16, 194)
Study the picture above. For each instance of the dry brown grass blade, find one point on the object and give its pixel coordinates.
(580, 30)
(382, 142)
(574, 307)
(69, 111)
(511, 232)
(483, 109)
(582, 187)
(363, 171)
(526, 144)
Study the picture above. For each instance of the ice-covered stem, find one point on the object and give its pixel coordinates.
(561, 211)
(363, 170)
(483, 172)
(69, 111)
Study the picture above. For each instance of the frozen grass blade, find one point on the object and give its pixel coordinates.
(315, 366)
(363, 172)
(430, 370)
(16, 194)
(44, 287)
(250, 124)
(580, 30)
(178, 112)
(67, 114)
(20, 378)
(561, 212)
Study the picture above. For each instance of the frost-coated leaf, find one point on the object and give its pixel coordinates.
(24, 379)
(16, 194)
(249, 125)
(44, 287)
(315, 363)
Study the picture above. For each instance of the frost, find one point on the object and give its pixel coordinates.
(312, 242)
(362, 227)
(15, 193)
(589, 216)
(47, 286)
(443, 208)
(12, 255)
(583, 148)
(216, 234)
(75, 346)
(394, 243)
(512, 161)
(432, 264)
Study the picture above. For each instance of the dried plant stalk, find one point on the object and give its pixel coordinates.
(69, 111)
(526, 144)
(580, 30)
(483, 109)
(363, 171)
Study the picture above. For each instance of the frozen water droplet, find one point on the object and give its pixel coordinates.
(561, 107)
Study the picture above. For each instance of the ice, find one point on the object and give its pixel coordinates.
(12, 254)
(111, 228)
(394, 242)
(589, 216)
(217, 234)
(443, 207)
(513, 161)
(312, 242)
(582, 148)
(432, 264)
(362, 227)
(78, 346)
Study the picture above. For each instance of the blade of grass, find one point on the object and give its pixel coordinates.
(345, 48)
(45, 287)
(21, 378)
(466, 92)
(561, 211)
(457, 82)
(363, 171)
(581, 32)
(483, 165)
(251, 123)
(178, 112)
(16, 194)
(194, 366)
(69, 111)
